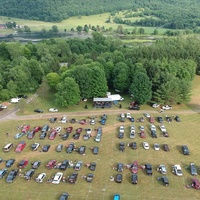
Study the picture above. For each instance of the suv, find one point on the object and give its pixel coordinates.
(134, 178)
(193, 169)
(29, 174)
(64, 165)
(121, 146)
(165, 180)
(82, 150)
(118, 178)
(149, 169)
(185, 150)
(73, 178)
(120, 167)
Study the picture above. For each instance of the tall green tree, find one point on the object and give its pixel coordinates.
(53, 79)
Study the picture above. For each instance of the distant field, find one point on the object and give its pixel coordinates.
(73, 22)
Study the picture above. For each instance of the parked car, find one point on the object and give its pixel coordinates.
(162, 128)
(70, 148)
(146, 145)
(19, 135)
(156, 146)
(152, 127)
(128, 115)
(51, 164)
(92, 122)
(116, 197)
(29, 174)
(58, 129)
(59, 148)
(65, 136)
(165, 134)
(53, 110)
(151, 119)
(147, 115)
(64, 196)
(45, 148)
(149, 169)
(193, 169)
(132, 134)
(40, 178)
(57, 178)
(73, 177)
(12, 175)
(36, 164)
(120, 135)
(118, 178)
(64, 119)
(134, 178)
(162, 169)
(155, 105)
(166, 107)
(69, 129)
(133, 145)
(95, 150)
(43, 135)
(22, 96)
(160, 119)
(141, 128)
(52, 135)
(76, 136)
(177, 118)
(64, 165)
(78, 166)
(37, 128)
(30, 135)
(142, 134)
(165, 180)
(3, 172)
(121, 146)
(89, 178)
(153, 134)
(25, 128)
(23, 163)
(92, 166)
(134, 167)
(20, 147)
(121, 129)
(169, 119)
(83, 122)
(38, 111)
(82, 150)
(185, 150)
(53, 119)
(176, 169)
(10, 162)
(120, 167)
(165, 147)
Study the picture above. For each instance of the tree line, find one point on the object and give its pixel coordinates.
(162, 72)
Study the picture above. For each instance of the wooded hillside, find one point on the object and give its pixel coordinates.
(177, 14)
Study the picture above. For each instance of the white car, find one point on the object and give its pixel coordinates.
(53, 110)
(57, 178)
(155, 105)
(121, 129)
(35, 146)
(88, 131)
(64, 119)
(147, 115)
(156, 146)
(152, 127)
(166, 107)
(162, 128)
(92, 122)
(132, 128)
(176, 169)
(3, 106)
(40, 178)
(122, 115)
(146, 145)
(141, 128)
(58, 129)
(128, 115)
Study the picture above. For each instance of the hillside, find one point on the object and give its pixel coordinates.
(184, 13)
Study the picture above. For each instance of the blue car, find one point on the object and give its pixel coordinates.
(103, 121)
(116, 197)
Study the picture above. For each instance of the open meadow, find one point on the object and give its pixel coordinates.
(148, 187)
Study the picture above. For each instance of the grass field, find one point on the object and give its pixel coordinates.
(148, 187)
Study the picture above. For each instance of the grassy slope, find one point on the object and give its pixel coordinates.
(186, 132)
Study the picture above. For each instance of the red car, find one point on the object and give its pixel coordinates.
(23, 163)
(25, 128)
(52, 135)
(51, 164)
(151, 119)
(134, 168)
(142, 134)
(69, 129)
(37, 128)
(79, 130)
(83, 122)
(20, 146)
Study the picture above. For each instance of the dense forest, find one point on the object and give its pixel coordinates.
(166, 13)
(162, 72)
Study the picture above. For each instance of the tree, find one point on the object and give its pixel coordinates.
(52, 80)
(43, 89)
(68, 93)
(141, 31)
(54, 29)
(141, 88)
(79, 29)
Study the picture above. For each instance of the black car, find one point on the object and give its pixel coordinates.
(153, 134)
(193, 169)
(53, 119)
(65, 136)
(64, 165)
(10, 162)
(121, 146)
(38, 111)
(45, 128)
(3, 172)
(43, 135)
(73, 178)
(95, 150)
(134, 178)
(70, 148)
(29, 174)
(92, 166)
(59, 148)
(165, 180)
(118, 178)
(11, 176)
(165, 134)
(165, 147)
(120, 167)
(169, 119)
(36, 164)
(160, 119)
(149, 169)
(89, 178)
(45, 148)
(185, 150)
(177, 118)
(82, 150)
(76, 136)
(22, 96)
(64, 196)
(133, 145)
(31, 135)
(120, 135)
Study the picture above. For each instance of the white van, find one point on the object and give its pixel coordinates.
(15, 100)
(8, 147)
